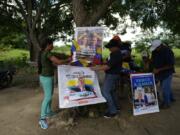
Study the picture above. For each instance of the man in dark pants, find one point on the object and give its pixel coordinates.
(163, 62)
(112, 69)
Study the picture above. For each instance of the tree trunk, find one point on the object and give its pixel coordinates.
(79, 12)
(83, 18)
(33, 53)
(34, 46)
(30, 51)
(99, 12)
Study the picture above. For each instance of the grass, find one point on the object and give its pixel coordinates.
(18, 56)
(13, 54)
(177, 56)
(64, 49)
(13, 58)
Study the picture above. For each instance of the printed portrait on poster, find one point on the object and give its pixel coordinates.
(87, 46)
(144, 94)
(78, 86)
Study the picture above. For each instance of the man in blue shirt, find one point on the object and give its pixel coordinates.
(163, 63)
(112, 69)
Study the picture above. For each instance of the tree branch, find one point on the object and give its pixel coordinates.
(79, 12)
(8, 5)
(98, 12)
(38, 14)
(84, 18)
(22, 11)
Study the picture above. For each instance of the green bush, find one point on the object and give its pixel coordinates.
(13, 40)
(13, 57)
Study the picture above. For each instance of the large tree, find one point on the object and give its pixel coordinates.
(89, 12)
(41, 18)
(38, 19)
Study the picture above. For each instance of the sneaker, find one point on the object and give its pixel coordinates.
(118, 109)
(43, 124)
(109, 115)
(173, 100)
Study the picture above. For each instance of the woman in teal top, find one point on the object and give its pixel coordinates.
(46, 64)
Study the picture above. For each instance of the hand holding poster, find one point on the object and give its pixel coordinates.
(144, 94)
(78, 86)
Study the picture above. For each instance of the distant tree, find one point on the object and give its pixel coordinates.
(168, 38)
(41, 18)
(38, 19)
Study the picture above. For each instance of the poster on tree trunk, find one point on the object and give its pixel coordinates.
(87, 46)
(144, 94)
(78, 86)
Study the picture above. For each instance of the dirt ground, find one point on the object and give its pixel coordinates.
(20, 106)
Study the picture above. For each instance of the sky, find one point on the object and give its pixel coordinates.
(133, 32)
(129, 36)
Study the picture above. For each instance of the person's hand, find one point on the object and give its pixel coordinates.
(69, 60)
(156, 71)
(95, 68)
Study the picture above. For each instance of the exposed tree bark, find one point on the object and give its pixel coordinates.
(83, 18)
(79, 12)
(33, 45)
(31, 34)
(98, 12)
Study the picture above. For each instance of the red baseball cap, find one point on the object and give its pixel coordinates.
(116, 37)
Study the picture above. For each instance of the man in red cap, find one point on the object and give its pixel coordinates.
(116, 37)
(112, 69)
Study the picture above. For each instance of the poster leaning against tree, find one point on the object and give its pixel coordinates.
(78, 86)
(87, 46)
(144, 94)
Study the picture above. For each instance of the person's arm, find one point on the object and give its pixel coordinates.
(169, 60)
(57, 61)
(82, 36)
(127, 56)
(98, 36)
(101, 68)
(162, 69)
(114, 61)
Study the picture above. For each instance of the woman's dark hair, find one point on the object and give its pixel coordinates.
(44, 44)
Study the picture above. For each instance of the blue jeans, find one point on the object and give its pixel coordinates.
(109, 92)
(166, 89)
(48, 88)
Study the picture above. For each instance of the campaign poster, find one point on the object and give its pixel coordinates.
(78, 86)
(87, 46)
(144, 94)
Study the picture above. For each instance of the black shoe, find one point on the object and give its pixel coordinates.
(118, 109)
(173, 100)
(109, 115)
(164, 106)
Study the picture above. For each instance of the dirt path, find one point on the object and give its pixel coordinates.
(19, 112)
